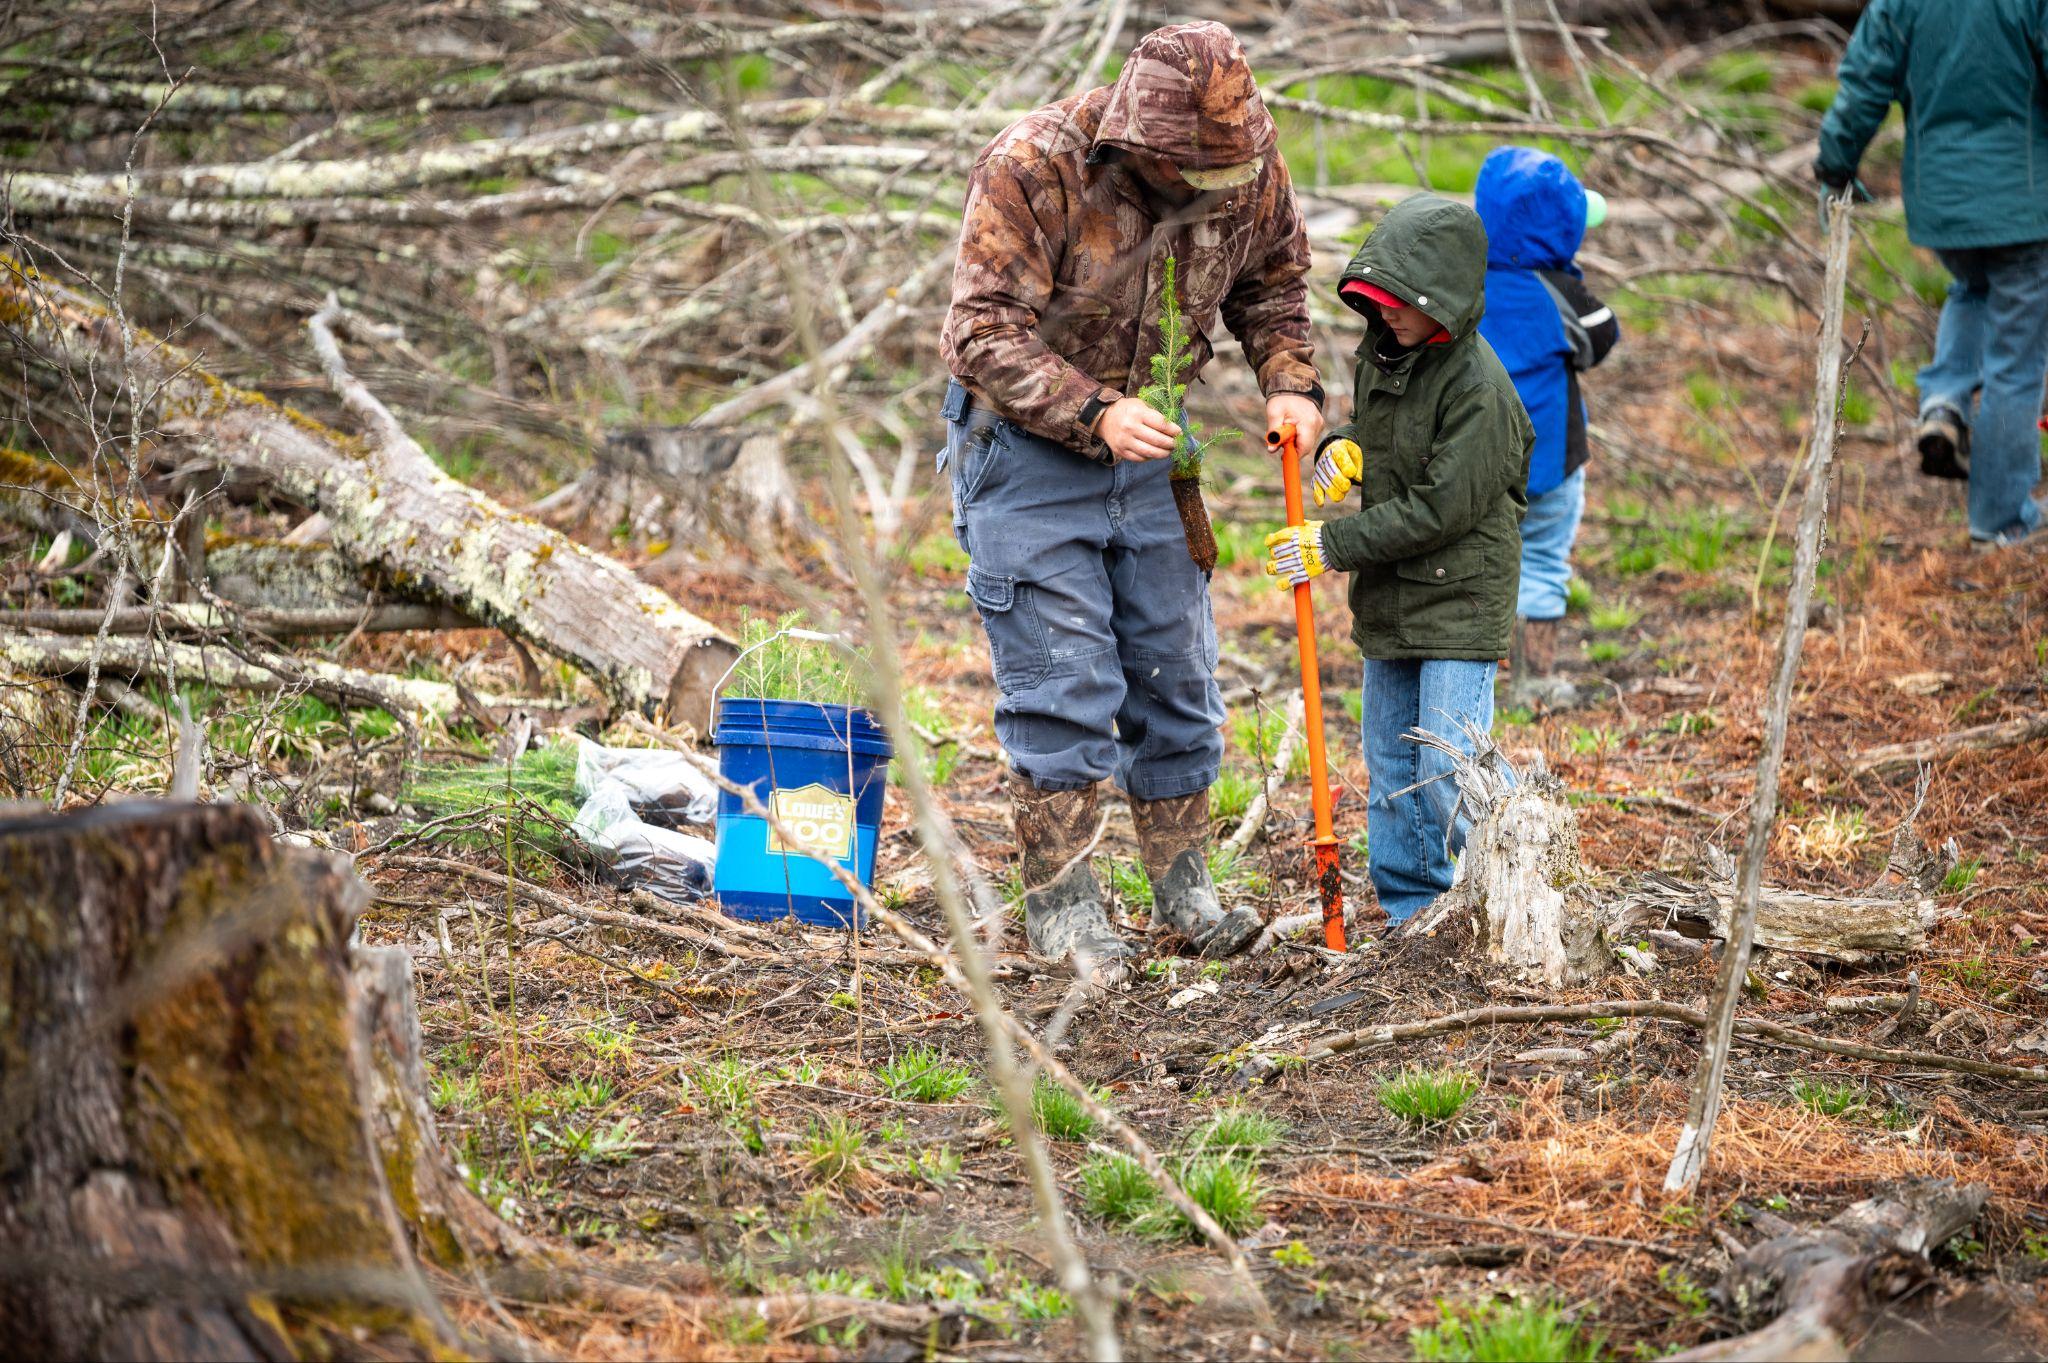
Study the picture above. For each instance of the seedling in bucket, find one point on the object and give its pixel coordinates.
(818, 762)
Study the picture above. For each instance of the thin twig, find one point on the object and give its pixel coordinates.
(1689, 1160)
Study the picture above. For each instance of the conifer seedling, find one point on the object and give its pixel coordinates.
(1166, 395)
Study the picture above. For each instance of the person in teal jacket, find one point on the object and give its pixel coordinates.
(1972, 77)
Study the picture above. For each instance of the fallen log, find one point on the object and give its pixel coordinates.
(1896, 757)
(1848, 928)
(278, 624)
(1820, 1289)
(1521, 883)
(411, 699)
(189, 1167)
(391, 507)
(43, 495)
(278, 575)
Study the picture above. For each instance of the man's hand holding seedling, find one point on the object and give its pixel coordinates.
(1134, 432)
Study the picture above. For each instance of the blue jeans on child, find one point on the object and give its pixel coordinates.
(1411, 837)
(1098, 622)
(1994, 335)
(1547, 534)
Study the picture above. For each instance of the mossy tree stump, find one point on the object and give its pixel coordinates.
(196, 1111)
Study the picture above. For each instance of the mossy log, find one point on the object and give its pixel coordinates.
(189, 1155)
(392, 508)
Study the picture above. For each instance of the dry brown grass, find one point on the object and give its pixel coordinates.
(1604, 1175)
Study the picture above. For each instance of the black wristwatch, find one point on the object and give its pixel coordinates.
(1093, 408)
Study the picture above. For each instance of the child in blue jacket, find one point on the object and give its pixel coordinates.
(1547, 327)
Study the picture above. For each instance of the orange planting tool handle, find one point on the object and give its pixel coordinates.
(1329, 883)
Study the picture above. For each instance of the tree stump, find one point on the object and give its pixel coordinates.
(189, 1164)
(1519, 877)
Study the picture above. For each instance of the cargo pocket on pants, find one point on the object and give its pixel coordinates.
(1016, 636)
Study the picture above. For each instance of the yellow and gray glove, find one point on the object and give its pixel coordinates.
(1296, 553)
(1338, 468)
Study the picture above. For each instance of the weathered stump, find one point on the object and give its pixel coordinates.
(189, 1165)
(1520, 877)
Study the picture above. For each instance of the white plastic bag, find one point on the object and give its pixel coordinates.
(663, 786)
(662, 861)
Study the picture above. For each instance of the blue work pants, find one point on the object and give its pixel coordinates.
(1098, 623)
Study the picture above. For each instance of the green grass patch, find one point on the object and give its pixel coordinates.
(727, 1086)
(937, 555)
(1503, 1332)
(1127, 879)
(1428, 1097)
(922, 1075)
(1058, 1113)
(834, 1152)
(1231, 1191)
(1615, 617)
(1962, 875)
(1116, 1189)
(1257, 734)
(1237, 1132)
(1828, 1098)
(1232, 794)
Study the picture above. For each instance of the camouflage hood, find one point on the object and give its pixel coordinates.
(1187, 94)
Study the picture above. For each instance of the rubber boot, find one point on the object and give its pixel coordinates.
(1173, 839)
(1536, 683)
(1063, 916)
(1943, 440)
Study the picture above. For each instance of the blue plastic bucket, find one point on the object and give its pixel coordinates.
(823, 770)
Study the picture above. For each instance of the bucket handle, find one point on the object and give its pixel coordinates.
(816, 636)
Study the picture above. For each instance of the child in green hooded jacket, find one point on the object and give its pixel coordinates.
(1438, 446)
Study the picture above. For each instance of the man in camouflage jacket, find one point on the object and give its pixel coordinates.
(1098, 622)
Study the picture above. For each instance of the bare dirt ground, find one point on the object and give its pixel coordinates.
(720, 1120)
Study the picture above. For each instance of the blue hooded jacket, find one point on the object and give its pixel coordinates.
(1539, 317)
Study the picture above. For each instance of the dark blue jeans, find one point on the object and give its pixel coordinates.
(1994, 337)
(1098, 623)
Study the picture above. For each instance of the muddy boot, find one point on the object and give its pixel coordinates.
(1536, 684)
(1063, 916)
(1173, 839)
(1944, 444)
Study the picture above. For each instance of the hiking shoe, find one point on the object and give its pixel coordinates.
(1173, 840)
(2006, 539)
(1944, 444)
(1064, 920)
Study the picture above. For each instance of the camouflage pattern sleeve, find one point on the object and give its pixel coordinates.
(1002, 285)
(1267, 308)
